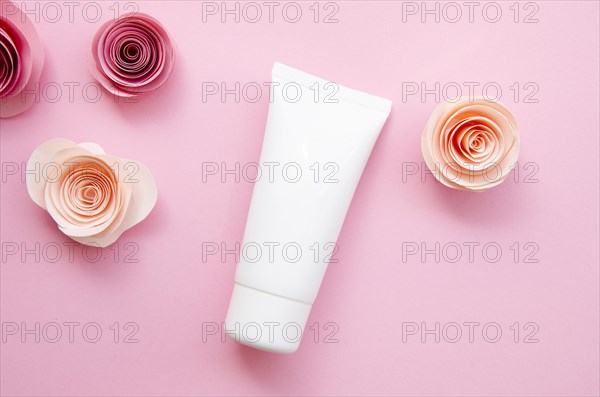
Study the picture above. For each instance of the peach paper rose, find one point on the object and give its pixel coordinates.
(21, 60)
(93, 197)
(471, 144)
(132, 55)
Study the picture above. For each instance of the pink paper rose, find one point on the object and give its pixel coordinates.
(471, 144)
(132, 55)
(21, 60)
(93, 197)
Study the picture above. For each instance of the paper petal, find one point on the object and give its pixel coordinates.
(37, 167)
(144, 193)
(92, 147)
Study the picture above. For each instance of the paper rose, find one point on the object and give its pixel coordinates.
(132, 55)
(21, 60)
(93, 197)
(471, 144)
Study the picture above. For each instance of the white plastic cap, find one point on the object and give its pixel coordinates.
(265, 321)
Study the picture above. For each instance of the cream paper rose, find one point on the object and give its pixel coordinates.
(93, 197)
(471, 144)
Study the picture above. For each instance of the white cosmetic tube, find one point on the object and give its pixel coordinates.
(318, 138)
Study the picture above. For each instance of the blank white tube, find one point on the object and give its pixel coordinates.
(318, 138)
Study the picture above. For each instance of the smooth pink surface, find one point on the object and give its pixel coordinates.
(371, 292)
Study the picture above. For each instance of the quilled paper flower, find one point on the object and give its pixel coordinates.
(132, 55)
(471, 144)
(92, 196)
(21, 60)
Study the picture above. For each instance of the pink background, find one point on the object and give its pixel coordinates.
(372, 291)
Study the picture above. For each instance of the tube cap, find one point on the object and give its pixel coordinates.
(265, 321)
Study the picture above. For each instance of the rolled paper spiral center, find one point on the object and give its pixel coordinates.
(9, 63)
(134, 55)
(89, 190)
